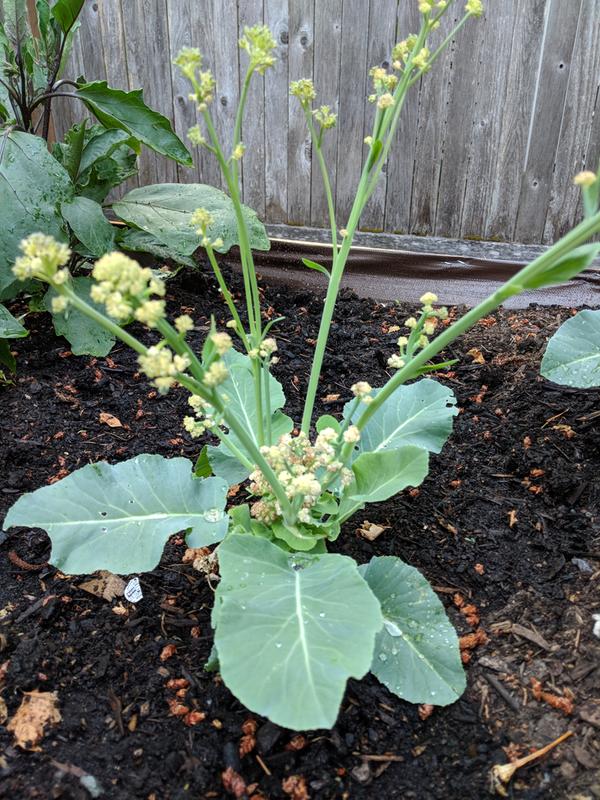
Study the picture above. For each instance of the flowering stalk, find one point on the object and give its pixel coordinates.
(518, 283)
(389, 107)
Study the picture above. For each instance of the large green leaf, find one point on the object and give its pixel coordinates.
(127, 111)
(568, 267)
(291, 629)
(419, 414)
(101, 143)
(572, 357)
(417, 654)
(118, 518)
(10, 328)
(32, 186)
(87, 221)
(65, 12)
(165, 211)
(241, 401)
(383, 474)
(85, 336)
(141, 242)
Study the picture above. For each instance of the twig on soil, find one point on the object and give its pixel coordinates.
(501, 774)
(504, 694)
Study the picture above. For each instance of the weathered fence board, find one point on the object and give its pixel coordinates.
(488, 143)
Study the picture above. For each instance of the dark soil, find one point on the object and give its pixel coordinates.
(507, 524)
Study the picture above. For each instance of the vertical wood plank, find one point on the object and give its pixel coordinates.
(382, 32)
(276, 115)
(546, 120)
(301, 26)
(579, 144)
(353, 90)
(251, 12)
(431, 135)
(182, 23)
(401, 164)
(458, 129)
(527, 37)
(226, 70)
(488, 100)
(328, 46)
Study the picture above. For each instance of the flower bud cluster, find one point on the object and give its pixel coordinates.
(203, 419)
(427, 6)
(201, 220)
(420, 331)
(325, 117)
(362, 390)
(126, 289)
(43, 257)
(304, 90)
(474, 7)
(402, 51)
(259, 43)
(189, 62)
(302, 470)
(159, 364)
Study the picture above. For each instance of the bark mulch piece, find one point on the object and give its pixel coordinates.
(506, 527)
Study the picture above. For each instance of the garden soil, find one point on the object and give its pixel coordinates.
(506, 528)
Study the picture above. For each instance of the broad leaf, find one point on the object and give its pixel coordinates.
(32, 186)
(241, 401)
(10, 328)
(416, 653)
(6, 358)
(383, 474)
(118, 518)
(419, 414)
(141, 242)
(65, 12)
(572, 357)
(128, 112)
(165, 211)
(291, 629)
(101, 143)
(87, 221)
(85, 336)
(568, 267)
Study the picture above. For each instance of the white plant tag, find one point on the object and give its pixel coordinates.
(133, 591)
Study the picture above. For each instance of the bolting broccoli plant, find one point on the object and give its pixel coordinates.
(287, 612)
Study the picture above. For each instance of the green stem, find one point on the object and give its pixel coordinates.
(235, 451)
(257, 376)
(228, 297)
(316, 140)
(267, 395)
(516, 285)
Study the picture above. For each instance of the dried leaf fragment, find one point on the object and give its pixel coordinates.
(36, 712)
(110, 420)
(193, 718)
(104, 585)
(167, 652)
(233, 783)
(425, 711)
(370, 531)
(476, 355)
(295, 787)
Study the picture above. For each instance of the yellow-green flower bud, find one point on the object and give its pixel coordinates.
(474, 7)
(304, 90)
(428, 298)
(259, 43)
(222, 342)
(325, 117)
(59, 304)
(585, 179)
(184, 323)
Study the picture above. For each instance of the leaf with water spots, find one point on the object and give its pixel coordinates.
(416, 652)
(572, 357)
(291, 628)
(119, 517)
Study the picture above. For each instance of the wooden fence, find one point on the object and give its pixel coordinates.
(488, 142)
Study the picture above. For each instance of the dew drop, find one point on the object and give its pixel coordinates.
(382, 657)
(392, 628)
(278, 645)
(322, 614)
(213, 515)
